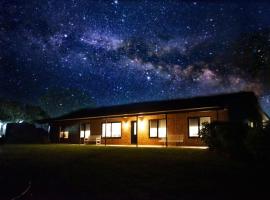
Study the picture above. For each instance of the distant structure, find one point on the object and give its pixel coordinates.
(3, 126)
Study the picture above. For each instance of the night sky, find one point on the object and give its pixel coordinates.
(116, 52)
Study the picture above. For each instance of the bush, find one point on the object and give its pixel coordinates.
(237, 140)
(25, 133)
(258, 143)
(225, 137)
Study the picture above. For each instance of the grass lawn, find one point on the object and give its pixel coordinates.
(90, 172)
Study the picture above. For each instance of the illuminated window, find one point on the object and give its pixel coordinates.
(153, 128)
(157, 128)
(251, 124)
(82, 131)
(116, 129)
(111, 130)
(135, 128)
(85, 131)
(63, 133)
(196, 124)
(204, 120)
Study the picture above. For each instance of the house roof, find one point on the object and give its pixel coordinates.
(240, 99)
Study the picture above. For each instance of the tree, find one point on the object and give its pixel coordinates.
(13, 111)
(33, 113)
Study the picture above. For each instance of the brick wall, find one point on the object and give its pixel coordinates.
(177, 127)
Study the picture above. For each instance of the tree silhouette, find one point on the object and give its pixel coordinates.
(13, 111)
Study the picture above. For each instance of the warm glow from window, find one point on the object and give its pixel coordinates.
(194, 127)
(153, 128)
(135, 128)
(204, 120)
(116, 129)
(196, 124)
(66, 133)
(63, 133)
(111, 129)
(82, 131)
(251, 124)
(87, 132)
(157, 128)
(162, 128)
(82, 134)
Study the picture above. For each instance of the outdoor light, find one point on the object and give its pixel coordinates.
(125, 124)
(141, 124)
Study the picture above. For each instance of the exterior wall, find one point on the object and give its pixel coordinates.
(125, 130)
(177, 127)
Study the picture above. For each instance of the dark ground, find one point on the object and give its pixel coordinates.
(90, 172)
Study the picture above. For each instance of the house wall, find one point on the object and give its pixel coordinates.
(177, 127)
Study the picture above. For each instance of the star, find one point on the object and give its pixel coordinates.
(120, 52)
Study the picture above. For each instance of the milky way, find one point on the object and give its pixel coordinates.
(119, 52)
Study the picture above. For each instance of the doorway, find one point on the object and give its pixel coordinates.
(133, 132)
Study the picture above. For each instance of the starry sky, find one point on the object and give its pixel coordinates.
(116, 52)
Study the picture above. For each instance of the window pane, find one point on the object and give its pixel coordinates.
(204, 120)
(103, 129)
(87, 130)
(135, 128)
(162, 128)
(116, 129)
(82, 131)
(61, 135)
(66, 134)
(108, 130)
(193, 127)
(153, 128)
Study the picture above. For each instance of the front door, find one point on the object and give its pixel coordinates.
(133, 132)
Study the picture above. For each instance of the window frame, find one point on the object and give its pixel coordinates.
(83, 128)
(149, 127)
(111, 137)
(63, 133)
(199, 123)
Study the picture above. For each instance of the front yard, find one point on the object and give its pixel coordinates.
(91, 172)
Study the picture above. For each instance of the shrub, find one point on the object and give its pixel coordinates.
(238, 140)
(25, 133)
(258, 143)
(225, 137)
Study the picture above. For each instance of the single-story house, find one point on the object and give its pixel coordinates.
(169, 122)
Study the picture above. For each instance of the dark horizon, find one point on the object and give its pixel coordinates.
(62, 55)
